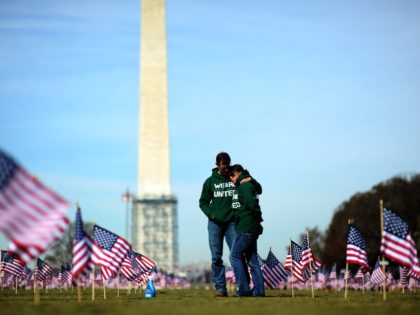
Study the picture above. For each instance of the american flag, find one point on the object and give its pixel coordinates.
(360, 274)
(404, 275)
(64, 277)
(378, 275)
(273, 271)
(31, 215)
(43, 270)
(356, 248)
(307, 257)
(294, 258)
(145, 263)
(129, 267)
(396, 242)
(109, 251)
(10, 264)
(82, 249)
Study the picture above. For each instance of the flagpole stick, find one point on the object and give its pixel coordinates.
(79, 292)
(103, 283)
(118, 284)
(2, 277)
(381, 206)
(345, 280)
(310, 267)
(93, 283)
(36, 291)
(291, 267)
(16, 280)
(363, 284)
(347, 270)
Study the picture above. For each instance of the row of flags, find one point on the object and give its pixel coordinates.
(32, 217)
(396, 245)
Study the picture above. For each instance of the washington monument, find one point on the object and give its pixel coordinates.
(154, 216)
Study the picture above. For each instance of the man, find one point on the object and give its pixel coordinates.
(216, 203)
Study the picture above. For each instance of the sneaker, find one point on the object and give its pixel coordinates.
(221, 294)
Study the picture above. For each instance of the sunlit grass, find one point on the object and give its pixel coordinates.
(203, 302)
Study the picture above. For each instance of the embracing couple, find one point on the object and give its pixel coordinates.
(230, 201)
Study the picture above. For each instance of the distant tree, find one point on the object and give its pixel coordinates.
(400, 194)
(61, 251)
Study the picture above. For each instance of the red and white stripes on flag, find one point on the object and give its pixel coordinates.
(11, 265)
(82, 249)
(397, 244)
(127, 268)
(356, 248)
(31, 215)
(109, 251)
(43, 270)
(145, 263)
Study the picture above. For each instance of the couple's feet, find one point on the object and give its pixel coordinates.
(237, 294)
(221, 294)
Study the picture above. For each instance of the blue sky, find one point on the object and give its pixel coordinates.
(318, 99)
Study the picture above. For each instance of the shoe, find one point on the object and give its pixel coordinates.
(221, 294)
(237, 294)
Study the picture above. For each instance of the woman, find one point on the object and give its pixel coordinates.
(248, 228)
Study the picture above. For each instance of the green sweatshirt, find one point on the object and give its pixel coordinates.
(246, 206)
(216, 197)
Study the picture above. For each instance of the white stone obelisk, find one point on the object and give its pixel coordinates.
(153, 171)
(154, 215)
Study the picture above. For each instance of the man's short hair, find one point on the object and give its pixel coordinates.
(223, 157)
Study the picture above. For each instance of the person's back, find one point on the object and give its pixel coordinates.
(248, 228)
(246, 208)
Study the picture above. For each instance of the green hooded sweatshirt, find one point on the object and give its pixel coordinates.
(216, 197)
(246, 206)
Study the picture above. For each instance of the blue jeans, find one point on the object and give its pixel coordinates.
(216, 234)
(245, 245)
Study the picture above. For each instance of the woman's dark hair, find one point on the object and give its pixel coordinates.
(223, 157)
(236, 168)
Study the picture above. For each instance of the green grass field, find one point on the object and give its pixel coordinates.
(203, 302)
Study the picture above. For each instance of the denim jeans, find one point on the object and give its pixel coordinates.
(216, 234)
(245, 245)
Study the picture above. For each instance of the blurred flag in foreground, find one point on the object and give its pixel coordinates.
(31, 215)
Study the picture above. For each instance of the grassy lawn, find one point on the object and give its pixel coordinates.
(203, 302)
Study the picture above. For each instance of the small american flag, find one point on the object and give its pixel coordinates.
(145, 263)
(396, 242)
(273, 271)
(82, 249)
(307, 257)
(404, 275)
(64, 277)
(293, 261)
(43, 271)
(378, 276)
(356, 247)
(11, 265)
(31, 216)
(109, 251)
(129, 267)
